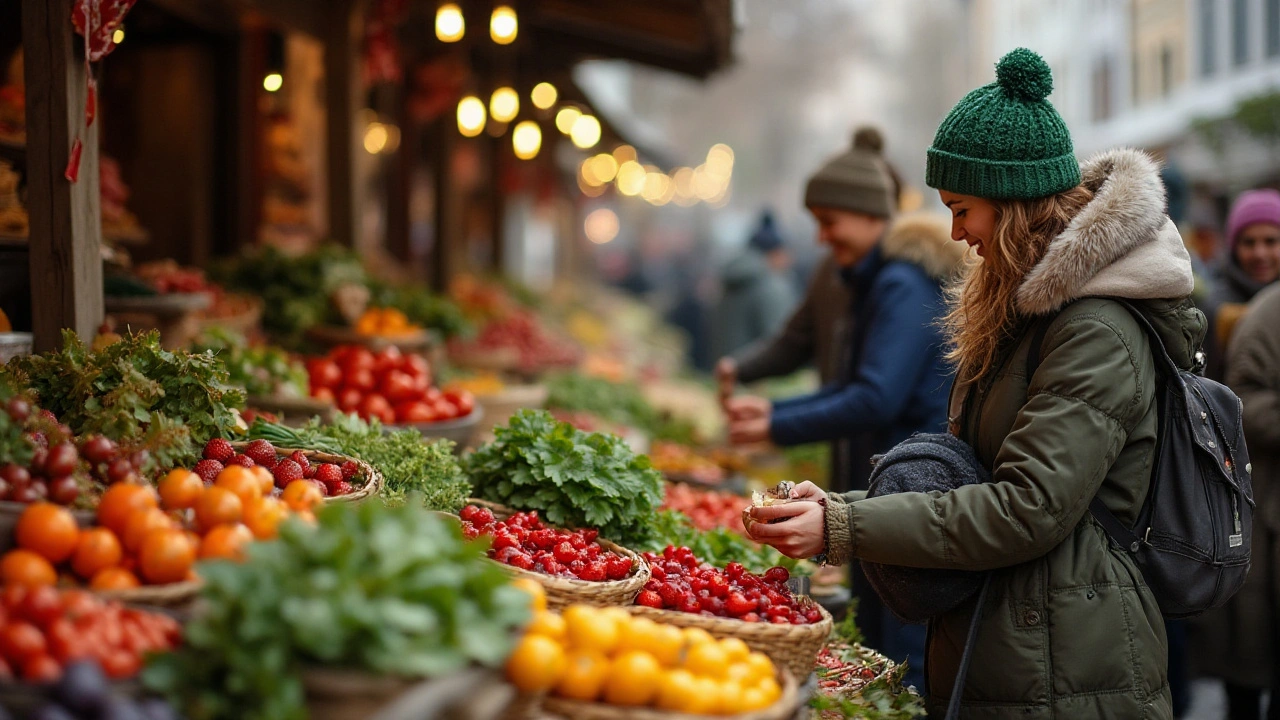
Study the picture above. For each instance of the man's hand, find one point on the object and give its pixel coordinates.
(801, 535)
(749, 418)
(727, 378)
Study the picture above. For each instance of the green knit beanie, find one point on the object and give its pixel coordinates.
(858, 180)
(1005, 141)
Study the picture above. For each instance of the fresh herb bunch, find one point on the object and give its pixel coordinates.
(719, 547)
(617, 402)
(423, 307)
(574, 478)
(409, 465)
(133, 389)
(261, 370)
(295, 290)
(391, 591)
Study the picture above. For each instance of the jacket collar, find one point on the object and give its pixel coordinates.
(1121, 244)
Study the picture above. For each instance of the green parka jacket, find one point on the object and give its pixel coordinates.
(1069, 630)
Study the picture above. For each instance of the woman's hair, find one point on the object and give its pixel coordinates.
(981, 313)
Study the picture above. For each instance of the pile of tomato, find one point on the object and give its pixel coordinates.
(389, 385)
(680, 581)
(523, 541)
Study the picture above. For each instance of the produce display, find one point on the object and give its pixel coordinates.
(409, 466)
(706, 509)
(857, 682)
(618, 403)
(680, 581)
(717, 546)
(262, 370)
(480, 384)
(679, 461)
(367, 589)
(605, 655)
(572, 478)
(84, 693)
(422, 307)
(519, 333)
(330, 479)
(48, 634)
(523, 541)
(134, 392)
(385, 322)
(393, 387)
(166, 276)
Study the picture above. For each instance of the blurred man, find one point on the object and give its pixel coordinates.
(758, 294)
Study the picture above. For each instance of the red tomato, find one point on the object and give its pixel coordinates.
(445, 410)
(376, 406)
(465, 401)
(41, 606)
(20, 641)
(121, 664)
(398, 386)
(433, 395)
(415, 412)
(41, 669)
(357, 358)
(5, 672)
(388, 358)
(65, 642)
(360, 379)
(324, 372)
(418, 367)
(349, 400)
(12, 596)
(324, 394)
(78, 602)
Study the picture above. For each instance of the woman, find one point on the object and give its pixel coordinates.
(1253, 262)
(1069, 629)
(1240, 642)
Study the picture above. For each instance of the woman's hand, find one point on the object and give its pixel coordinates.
(808, 491)
(801, 535)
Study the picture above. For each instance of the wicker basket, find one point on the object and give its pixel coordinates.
(794, 647)
(179, 595)
(371, 487)
(563, 592)
(783, 709)
(341, 694)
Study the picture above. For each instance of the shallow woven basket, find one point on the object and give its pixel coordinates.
(563, 592)
(784, 708)
(794, 647)
(177, 595)
(373, 478)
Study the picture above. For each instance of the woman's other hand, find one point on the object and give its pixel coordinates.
(802, 532)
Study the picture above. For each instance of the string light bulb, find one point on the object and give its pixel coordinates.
(504, 104)
(566, 118)
(526, 140)
(471, 116)
(543, 95)
(273, 82)
(585, 132)
(451, 26)
(503, 25)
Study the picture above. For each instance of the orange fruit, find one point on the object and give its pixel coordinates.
(119, 502)
(707, 660)
(114, 578)
(546, 624)
(167, 556)
(180, 489)
(140, 524)
(536, 665)
(266, 481)
(302, 495)
(263, 517)
(226, 542)
(535, 591)
(678, 691)
(665, 643)
(23, 567)
(98, 549)
(634, 678)
(241, 481)
(584, 676)
(48, 530)
(589, 628)
(218, 506)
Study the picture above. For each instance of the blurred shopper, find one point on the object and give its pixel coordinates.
(1068, 628)
(758, 294)
(893, 379)
(1252, 263)
(1240, 642)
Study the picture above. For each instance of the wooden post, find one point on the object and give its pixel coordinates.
(443, 137)
(66, 224)
(342, 82)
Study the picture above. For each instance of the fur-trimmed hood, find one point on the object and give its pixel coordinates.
(1122, 244)
(924, 239)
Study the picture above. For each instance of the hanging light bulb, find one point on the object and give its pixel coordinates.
(544, 95)
(503, 25)
(273, 82)
(117, 37)
(566, 118)
(526, 140)
(504, 104)
(470, 116)
(585, 132)
(450, 25)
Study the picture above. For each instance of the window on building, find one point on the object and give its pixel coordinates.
(1272, 21)
(1208, 37)
(1239, 32)
(1166, 71)
(1101, 81)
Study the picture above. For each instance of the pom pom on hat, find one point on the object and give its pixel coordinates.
(1024, 75)
(868, 138)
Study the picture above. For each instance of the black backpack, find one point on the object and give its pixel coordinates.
(1195, 526)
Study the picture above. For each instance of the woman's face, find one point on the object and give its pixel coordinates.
(973, 220)
(1258, 252)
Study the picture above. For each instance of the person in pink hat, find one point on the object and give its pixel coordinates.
(1252, 263)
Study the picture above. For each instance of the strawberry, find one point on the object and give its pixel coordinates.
(649, 598)
(242, 461)
(329, 474)
(208, 470)
(264, 453)
(286, 471)
(302, 461)
(220, 450)
(309, 473)
(349, 470)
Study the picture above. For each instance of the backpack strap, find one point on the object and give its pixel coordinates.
(966, 658)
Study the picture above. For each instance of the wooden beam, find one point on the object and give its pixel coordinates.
(342, 87)
(66, 224)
